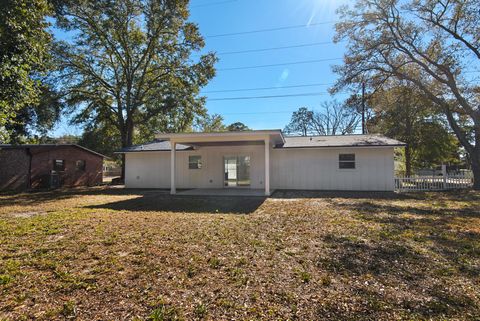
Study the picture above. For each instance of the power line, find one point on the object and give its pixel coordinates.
(214, 3)
(266, 88)
(267, 97)
(262, 112)
(270, 29)
(275, 48)
(281, 64)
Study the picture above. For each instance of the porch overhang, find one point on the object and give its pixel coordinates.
(265, 137)
(275, 137)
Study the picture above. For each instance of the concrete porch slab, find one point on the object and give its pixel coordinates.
(223, 192)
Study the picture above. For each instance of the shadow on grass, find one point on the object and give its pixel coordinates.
(289, 194)
(395, 263)
(422, 251)
(161, 202)
(46, 195)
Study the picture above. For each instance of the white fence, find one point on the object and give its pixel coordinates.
(434, 183)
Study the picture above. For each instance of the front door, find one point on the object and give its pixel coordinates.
(237, 171)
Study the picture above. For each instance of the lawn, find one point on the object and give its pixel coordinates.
(114, 254)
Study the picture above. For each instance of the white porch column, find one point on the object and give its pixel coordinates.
(267, 167)
(173, 147)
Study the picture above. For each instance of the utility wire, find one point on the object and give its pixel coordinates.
(262, 112)
(270, 29)
(275, 48)
(280, 64)
(214, 3)
(267, 97)
(267, 88)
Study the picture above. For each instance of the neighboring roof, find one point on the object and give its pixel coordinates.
(157, 145)
(10, 146)
(339, 141)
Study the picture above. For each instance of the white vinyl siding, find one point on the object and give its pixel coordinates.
(153, 168)
(318, 169)
(309, 168)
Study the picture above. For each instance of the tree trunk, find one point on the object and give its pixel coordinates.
(127, 140)
(475, 159)
(408, 161)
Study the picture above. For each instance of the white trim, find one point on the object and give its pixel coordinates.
(267, 166)
(220, 134)
(173, 189)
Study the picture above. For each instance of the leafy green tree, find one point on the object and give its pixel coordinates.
(432, 44)
(98, 137)
(210, 123)
(301, 122)
(237, 127)
(401, 111)
(36, 119)
(24, 59)
(129, 64)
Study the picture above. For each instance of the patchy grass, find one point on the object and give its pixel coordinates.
(114, 254)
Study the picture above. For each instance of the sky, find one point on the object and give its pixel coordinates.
(305, 70)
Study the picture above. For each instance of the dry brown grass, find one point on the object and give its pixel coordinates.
(112, 254)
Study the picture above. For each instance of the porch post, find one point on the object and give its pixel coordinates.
(267, 166)
(173, 147)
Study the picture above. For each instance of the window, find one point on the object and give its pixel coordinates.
(80, 165)
(195, 162)
(346, 161)
(59, 165)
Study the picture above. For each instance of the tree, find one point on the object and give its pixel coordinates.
(403, 112)
(432, 44)
(129, 64)
(36, 119)
(237, 127)
(301, 122)
(335, 119)
(24, 59)
(98, 137)
(210, 123)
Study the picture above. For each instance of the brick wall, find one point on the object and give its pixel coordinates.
(43, 160)
(14, 164)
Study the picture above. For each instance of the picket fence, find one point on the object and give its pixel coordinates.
(434, 183)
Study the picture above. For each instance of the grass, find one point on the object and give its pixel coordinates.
(114, 254)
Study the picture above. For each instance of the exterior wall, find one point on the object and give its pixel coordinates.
(42, 165)
(152, 169)
(315, 169)
(14, 165)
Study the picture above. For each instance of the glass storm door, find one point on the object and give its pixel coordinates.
(237, 171)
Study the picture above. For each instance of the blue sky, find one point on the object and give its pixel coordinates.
(217, 17)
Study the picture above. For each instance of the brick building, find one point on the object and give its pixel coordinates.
(42, 166)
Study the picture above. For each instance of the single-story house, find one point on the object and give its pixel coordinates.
(262, 160)
(48, 165)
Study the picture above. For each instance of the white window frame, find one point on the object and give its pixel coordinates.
(340, 162)
(195, 164)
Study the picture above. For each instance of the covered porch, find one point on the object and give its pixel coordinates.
(267, 138)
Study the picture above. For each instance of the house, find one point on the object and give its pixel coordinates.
(48, 165)
(262, 160)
